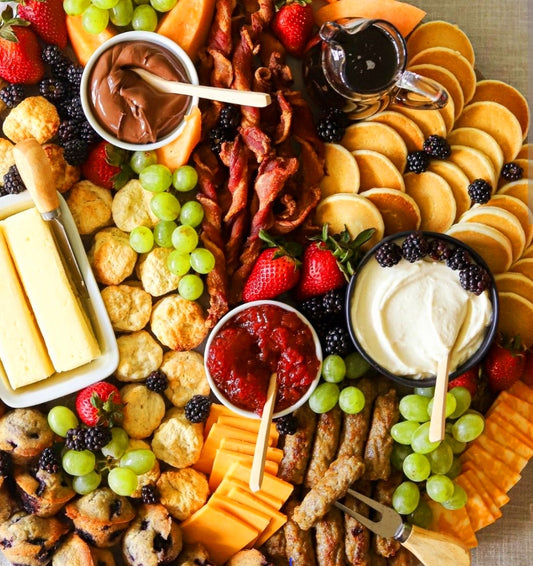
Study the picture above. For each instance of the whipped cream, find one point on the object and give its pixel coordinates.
(409, 316)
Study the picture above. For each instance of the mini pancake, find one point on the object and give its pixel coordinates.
(528, 252)
(439, 33)
(458, 182)
(524, 266)
(454, 62)
(474, 163)
(478, 139)
(448, 112)
(502, 220)
(518, 283)
(447, 79)
(434, 198)
(377, 137)
(342, 172)
(519, 209)
(521, 189)
(526, 152)
(496, 120)
(411, 134)
(489, 243)
(527, 170)
(508, 96)
(429, 121)
(516, 317)
(399, 211)
(377, 170)
(355, 212)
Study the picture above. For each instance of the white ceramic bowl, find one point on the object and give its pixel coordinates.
(228, 316)
(150, 37)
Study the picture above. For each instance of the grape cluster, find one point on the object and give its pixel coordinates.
(431, 466)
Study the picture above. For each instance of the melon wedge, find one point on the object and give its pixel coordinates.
(83, 43)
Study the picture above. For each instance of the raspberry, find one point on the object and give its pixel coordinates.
(474, 278)
(415, 247)
(388, 254)
(479, 191)
(437, 147)
(197, 408)
(417, 161)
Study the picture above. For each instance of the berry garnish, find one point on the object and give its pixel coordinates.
(479, 191)
(75, 439)
(415, 247)
(12, 94)
(197, 408)
(417, 161)
(512, 171)
(459, 259)
(389, 254)
(99, 403)
(96, 437)
(437, 147)
(474, 278)
(439, 250)
(48, 461)
(157, 381)
(149, 494)
(337, 341)
(287, 424)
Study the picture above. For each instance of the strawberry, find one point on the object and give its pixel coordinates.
(100, 404)
(504, 364)
(293, 25)
(468, 380)
(47, 18)
(275, 271)
(20, 53)
(107, 166)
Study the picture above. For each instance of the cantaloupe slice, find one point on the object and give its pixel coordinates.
(83, 43)
(404, 17)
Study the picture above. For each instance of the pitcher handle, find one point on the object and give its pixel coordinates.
(434, 95)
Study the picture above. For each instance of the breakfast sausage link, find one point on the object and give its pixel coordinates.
(357, 536)
(329, 538)
(402, 558)
(383, 491)
(298, 543)
(275, 549)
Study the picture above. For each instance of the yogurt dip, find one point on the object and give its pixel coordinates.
(409, 316)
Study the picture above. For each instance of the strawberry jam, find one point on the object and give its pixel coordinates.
(253, 345)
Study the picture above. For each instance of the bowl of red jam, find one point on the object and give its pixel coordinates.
(252, 342)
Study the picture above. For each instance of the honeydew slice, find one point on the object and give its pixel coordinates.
(399, 211)
(512, 282)
(458, 182)
(342, 172)
(474, 163)
(516, 317)
(377, 170)
(478, 139)
(519, 209)
(411, 134)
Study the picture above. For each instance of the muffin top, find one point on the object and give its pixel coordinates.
(102, 505)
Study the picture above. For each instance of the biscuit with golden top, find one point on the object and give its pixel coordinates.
(182, 492)
(186, 376)
(34, 117)
(129, 308)
(139, 355)
(90, 206)
(64, 174)
(111, 256)
(131, 207)
(152, 270)
(143, 410)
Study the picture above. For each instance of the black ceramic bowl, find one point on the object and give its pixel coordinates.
(472, 360)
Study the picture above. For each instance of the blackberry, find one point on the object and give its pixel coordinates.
(74, 73)
(230, 117)
(13, 183)
(388, 254)
(75, 151)
(96, 437)
(5, 464)
(415, 247)
(474, 278)
(479, 191)
(217, 136)
(87, 133)
(439, 250)
(197, 408)
(69, 130)
(149, 494)
(333, 302)
(74, 109)
(459, 259)
(330, 130)
(157, 381)
(313, 308)
(338, 115)
(12, 94)
(48, 461)
(437, 147)
(287, 424)
(54, 90)
(52, 55)
(337, 341)
(512, 171)
(75, 439)
(417, 161)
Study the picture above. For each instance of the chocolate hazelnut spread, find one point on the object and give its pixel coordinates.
(127, 106)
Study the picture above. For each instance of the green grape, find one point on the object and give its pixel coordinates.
(425, 391)
(144, 19)
(416, 467)
(140, 461)
(398, 455)
(118, 444)
(414, 408)
(324, 397)
(456, 446)
(185, 239)
(422, 516)
(178, 263)
(139, 2)
(163, 5)
(439, 487)
(87, 483)
(202, 260)
(352, 400)
(191, 287)
(121, 15)
(441, 458)
(105, 4)
(455, 469)
(140, 160)
(451, 404)
(420, 441)
(142, 239)
(192, 213)
(457, 500)
(185, 178)
(78, 463)
(403, 431)
(468, 427)
(356, 365)
(165, 206)
(155, 178)
(61, 419)
(122, 481)
(163, 233)
(406, 497)
(333, 368)
(75, 7)
(94, 20)
(462, 399)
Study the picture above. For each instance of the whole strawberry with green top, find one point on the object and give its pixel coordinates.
(504, 364)
(47, 18)
(293, 24)
(107, 166)
(99, 404)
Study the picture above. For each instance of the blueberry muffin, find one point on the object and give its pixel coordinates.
(100, 517)
(74, 551)
(194, 554)
(30, 540)
(152, 539)
(8, 505)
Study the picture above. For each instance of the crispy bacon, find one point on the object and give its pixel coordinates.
(220, 38)
(236, 157)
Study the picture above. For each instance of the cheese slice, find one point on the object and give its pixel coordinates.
(273, 453)
(227, 484)
(64, 325)
(22, 350)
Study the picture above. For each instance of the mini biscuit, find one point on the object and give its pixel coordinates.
(128, 307)
(6, 158)
(186, 376)
(143, 410)
(111, 256)
(90, 206)
(34, 117)
(182, 492)
(247, 557)
(151, 476)
(193, 554)
(64, 174)
(154, 274)
(131, 207)
(178, 323)
(177, 441)
(139, 355)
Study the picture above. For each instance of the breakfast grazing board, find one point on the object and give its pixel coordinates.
(143, 467)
